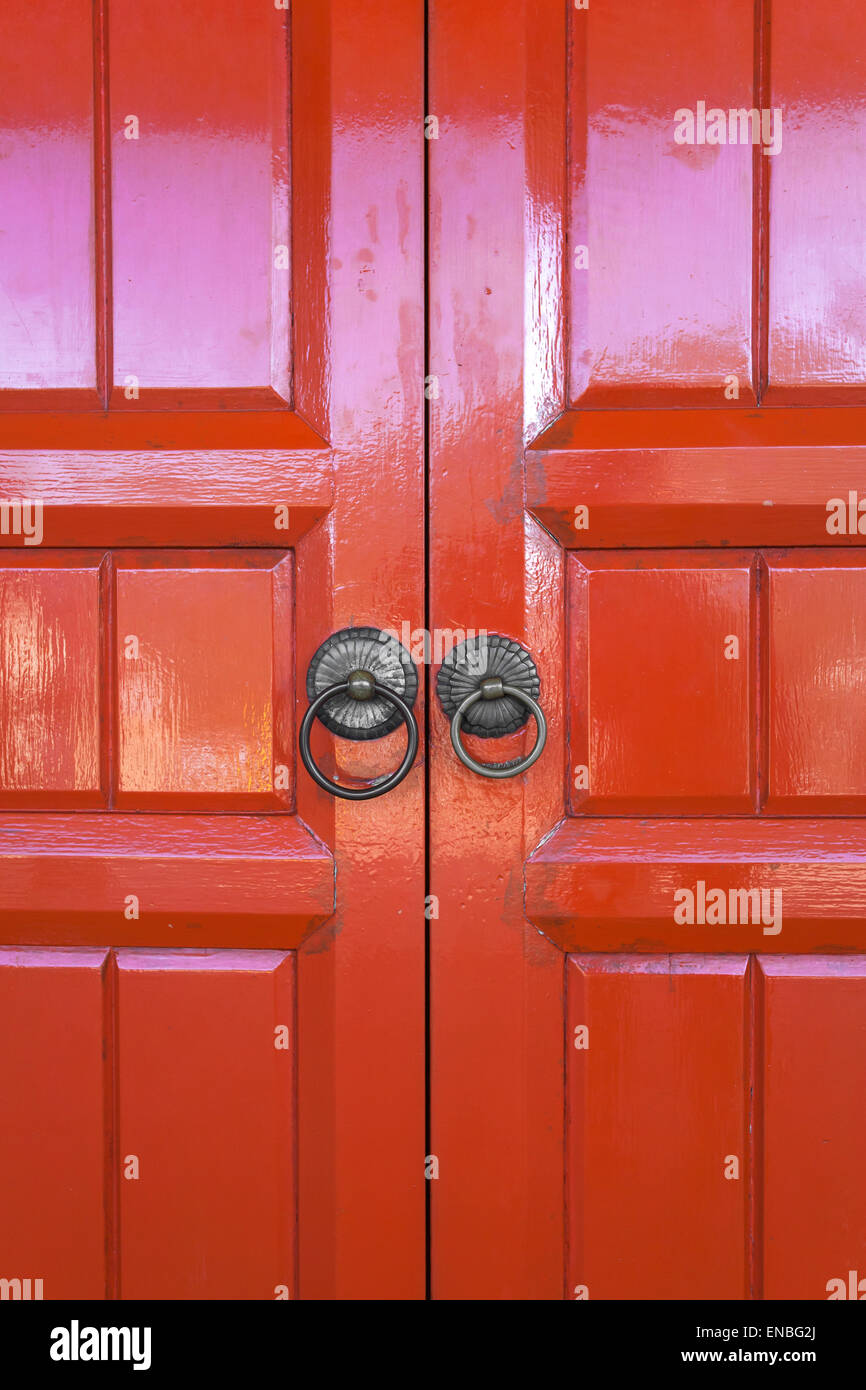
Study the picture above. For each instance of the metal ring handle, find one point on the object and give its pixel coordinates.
(499, 770)
(382, 784)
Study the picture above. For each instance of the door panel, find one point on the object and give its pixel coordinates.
(682, 870)
(51, 712)
(664, 229)
(203, 665)
(812, 1036)
(56, 1099)
(658, 1121)
(48, 304)
(213, 1145)
(662, 688)
(233, 471)
(687, 1074)
(817, 306)
(816, 758)
(200, 200)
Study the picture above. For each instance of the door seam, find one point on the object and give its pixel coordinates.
(425, 233)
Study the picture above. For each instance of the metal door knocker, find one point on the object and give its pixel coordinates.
(489, 686)
(362, 685)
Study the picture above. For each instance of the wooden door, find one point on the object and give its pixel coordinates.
(648, 452)
(211, 412)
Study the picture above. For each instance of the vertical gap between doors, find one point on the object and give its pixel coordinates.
(428, 685)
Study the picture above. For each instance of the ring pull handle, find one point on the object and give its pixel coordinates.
(488, 686)
(351, 683)
(516, 765)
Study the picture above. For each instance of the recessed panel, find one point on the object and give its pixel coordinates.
(660, 234)
(203, 667)
(661, 682)
(55, 1116)
(816, 683)
(47, 288)
(656, 1128)
(813, 1019)
(206, 1083)
(817, 295)
(50, 680)
(200, 197)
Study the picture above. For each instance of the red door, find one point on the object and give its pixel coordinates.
(212, 971)
(641, 351)
(647, 317)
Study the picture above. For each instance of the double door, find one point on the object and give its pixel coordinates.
(503, 380)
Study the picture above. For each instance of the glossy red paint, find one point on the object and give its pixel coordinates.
(200, 185)
(202, 667)
(215, 879)
(662, 688)
(497, 987)
(644, 363)
(224, 1004)
(816, 319)
(815, 757)
(57, 1098)
(48, 318)
(658, 256)
(212, 347)
(810, 1025)
(635, 1221)
(609, 884)
(50, 687)
(649, 404)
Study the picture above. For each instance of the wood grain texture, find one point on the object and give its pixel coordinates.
(52, 716)
(203, 663)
